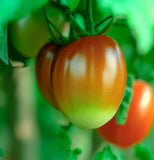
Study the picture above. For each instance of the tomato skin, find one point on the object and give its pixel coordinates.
(87, 75)
(43, 69)
(139, 120)
(30, 33)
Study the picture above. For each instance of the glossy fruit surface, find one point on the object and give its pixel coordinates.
(43, 69)
(139, 120)
(88, 80)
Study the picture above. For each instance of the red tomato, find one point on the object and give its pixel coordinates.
(139, 120)
(88, 80)
(43, 69)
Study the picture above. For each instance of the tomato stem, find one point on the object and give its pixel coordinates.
(105, 19)
(59, 5)
(58, 41)
(73, 35)
(77, 27)
(76, 31)
(105, 28)
(64, 39)
(89, 17)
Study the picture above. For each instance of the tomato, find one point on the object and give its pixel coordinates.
(139, 120)
(29, 34)
(43, 68)
(88, 80)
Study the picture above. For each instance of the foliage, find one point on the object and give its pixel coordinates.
(106, 154)
(124, 106)
(140, 16)
(142, 152)
(72, 4)
(11, 10)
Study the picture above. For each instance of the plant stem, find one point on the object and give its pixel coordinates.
(105, 19)
(73, 36)
(89, 18)
(58, 41)
(59, 5)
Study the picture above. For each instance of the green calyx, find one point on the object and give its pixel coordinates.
(81, 22)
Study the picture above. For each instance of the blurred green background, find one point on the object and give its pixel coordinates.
(30, 129)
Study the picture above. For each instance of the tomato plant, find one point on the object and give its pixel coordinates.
(81, 72)
(86, 76)
(43, 68)
(139, 120)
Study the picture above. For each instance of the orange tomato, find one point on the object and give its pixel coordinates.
(43, 69)
(88, 80)
(139, 120)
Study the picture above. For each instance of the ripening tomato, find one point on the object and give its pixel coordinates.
(30, 33)
(43, 69)
(88, 80)
(139, 120)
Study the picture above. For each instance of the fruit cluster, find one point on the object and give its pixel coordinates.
(86, 80)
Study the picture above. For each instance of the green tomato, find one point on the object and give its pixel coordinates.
(29, 34)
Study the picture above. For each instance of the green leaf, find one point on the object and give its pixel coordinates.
(72, 4)
(4, 68)
(8, 9)
(144, 63)
(106, 154)
(55, 145)
(3, 44)
(104, 26)
(16, 9)
(118, 152)
(124, 106)
(103, 18)
(142, 152)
